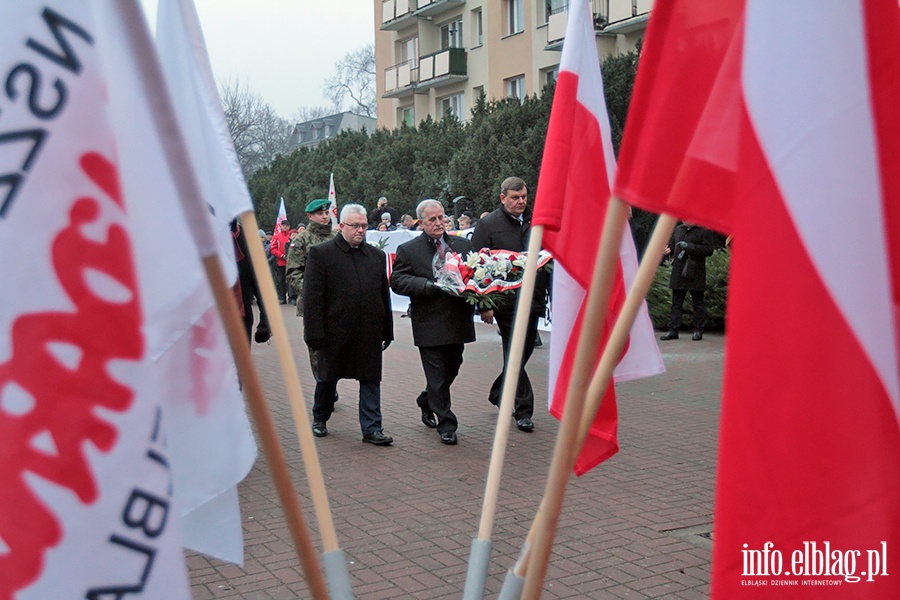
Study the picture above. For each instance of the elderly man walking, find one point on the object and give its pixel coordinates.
(347, 321)
(441, 323)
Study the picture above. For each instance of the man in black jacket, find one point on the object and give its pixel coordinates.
(689, 247)
(347, 319)
(507, 228)
(441, 323)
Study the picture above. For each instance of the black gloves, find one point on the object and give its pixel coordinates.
(431, 290)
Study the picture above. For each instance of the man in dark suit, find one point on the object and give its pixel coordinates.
(347, 319)
(507, 228)
(689, 248)
(441, 323)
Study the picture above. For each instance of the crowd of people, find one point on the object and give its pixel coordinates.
(341, 286)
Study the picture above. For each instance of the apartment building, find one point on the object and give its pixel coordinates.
(435, 57)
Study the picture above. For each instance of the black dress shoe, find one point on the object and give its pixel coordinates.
(378, 438)
(525, 424)
(698, 335)
(448, 437)
(428, 418)
(319, 429)
(669, 335)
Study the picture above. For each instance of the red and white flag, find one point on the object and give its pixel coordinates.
(332, 199)
(282, 215)
(212, 523)
(791, 143)
(107, 332)
(572, 197)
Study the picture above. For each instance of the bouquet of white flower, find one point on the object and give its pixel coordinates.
(484, 277)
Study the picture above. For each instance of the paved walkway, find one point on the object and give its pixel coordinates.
(637, 526)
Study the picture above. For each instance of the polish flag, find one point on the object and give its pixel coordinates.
(108, 335)
(332, 199)
(791, 143)
(572, 196)
(282, 215)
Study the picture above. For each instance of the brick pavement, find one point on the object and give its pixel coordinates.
(635, 527)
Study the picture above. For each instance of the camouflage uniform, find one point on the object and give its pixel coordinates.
(299, 252)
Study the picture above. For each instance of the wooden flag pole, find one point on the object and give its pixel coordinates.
(479, 555)
(597, 304)
(610, 357)
(619, 336)
(335, 565)
(237, 339)
(196, 212)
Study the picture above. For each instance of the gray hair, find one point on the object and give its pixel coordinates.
(352, 209)
(420, 209)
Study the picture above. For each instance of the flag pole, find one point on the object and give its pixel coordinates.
(590, 339)
(265, 426)
(190, 195)
(543, 541)
(612, 353)
(479, 555)
(333, 557)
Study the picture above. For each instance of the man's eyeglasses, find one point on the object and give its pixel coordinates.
(355, 225)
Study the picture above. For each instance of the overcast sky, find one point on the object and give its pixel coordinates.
(282, 49)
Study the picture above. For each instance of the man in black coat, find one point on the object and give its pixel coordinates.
(441, 323)
(347, 319)
(507, 228)
(689, 247)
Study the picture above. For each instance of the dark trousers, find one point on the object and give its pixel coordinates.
(697, 299)
(441, 365)
(249, 291)
(524, 394)
(369, 404)
(281, 282)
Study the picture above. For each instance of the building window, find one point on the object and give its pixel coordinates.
(477, 28)
(453, 105)
(549, 75)
(409, 51)
(407, 116)
(550, 7)
(451, 34)
(515, 87)
(515, 16)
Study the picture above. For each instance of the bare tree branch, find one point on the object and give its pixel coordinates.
(354, 77)
(259, 134)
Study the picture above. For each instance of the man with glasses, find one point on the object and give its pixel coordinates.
(347, 321)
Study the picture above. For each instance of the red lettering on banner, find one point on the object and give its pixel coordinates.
(61, 399)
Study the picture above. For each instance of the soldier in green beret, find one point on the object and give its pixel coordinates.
(319, 230)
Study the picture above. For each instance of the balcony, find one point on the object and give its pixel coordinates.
(400, 80)
(610, 17)
(397, 14)
(441, 68)
(434, 70)
(430, 8)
